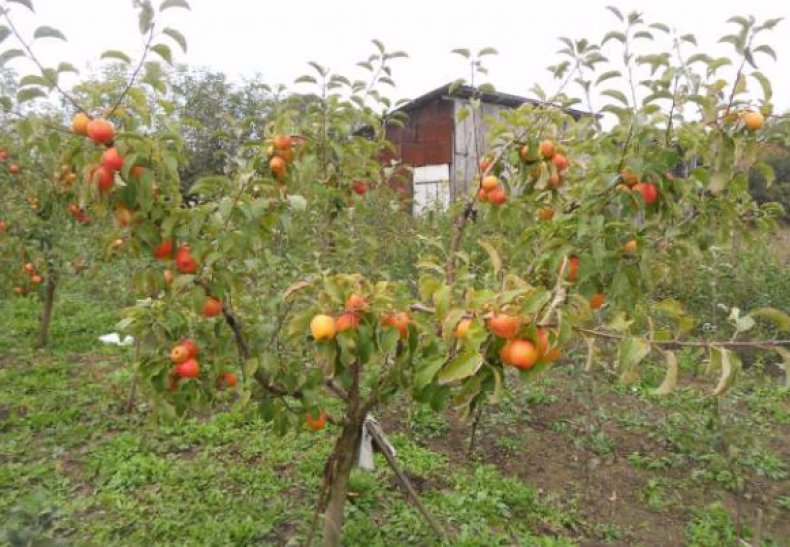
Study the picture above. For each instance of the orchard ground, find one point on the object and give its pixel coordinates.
(574, 460)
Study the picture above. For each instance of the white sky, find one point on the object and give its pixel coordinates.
(242, 37)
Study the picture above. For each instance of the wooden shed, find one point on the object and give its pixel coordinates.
(442, 150)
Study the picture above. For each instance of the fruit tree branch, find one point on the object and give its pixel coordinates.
(689, 343)
(133, 77)
(41, 68)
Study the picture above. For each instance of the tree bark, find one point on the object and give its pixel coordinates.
(46, 313)
(343, 457)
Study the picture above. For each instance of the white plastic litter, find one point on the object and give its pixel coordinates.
(365, 453)
(115, 339)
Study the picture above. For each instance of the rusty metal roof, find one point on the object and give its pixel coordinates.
(466, 92)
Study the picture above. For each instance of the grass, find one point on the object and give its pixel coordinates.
(76, 469)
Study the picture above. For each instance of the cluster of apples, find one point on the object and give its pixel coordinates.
(547, 156)
(102, 133)
(519, 351)
(184, 261)
(281, 154)
(185, 365)
(491, 191)
(13, 167)
(630, 183)
(35, 278)
(324, 327)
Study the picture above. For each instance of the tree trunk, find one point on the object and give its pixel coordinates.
(46, 313)
(342, 461)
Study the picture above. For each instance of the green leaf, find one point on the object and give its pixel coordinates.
(462, 366)
(617, 13)
(177, 37)
(167, 4)
(765, 84)
(463, 52)
(768, 50)
(5, 32)
(48, 32)
(780, 319)
(27, 3)
(730, 364)
(30, 93)
(607, 75)
(493, 255)
(9, 54)
(427, 371)
(164, 52)
(66, 67)
(616, 94)
(784, 353)
(145, 20)
(631, 351)
(116, 54)
(305, 79)
(613, 35)
(767, 172)
(660, 26)
(487, 51)
(690, 38)
(34, 79)
(670, 381)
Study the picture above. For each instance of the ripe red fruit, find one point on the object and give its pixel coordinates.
(282, 142)
(112, 160)
(573, 268)
(104, 179)
(560, 162)
(191, 346)
(547, 353)
(555, 180)
(497, 196)
(29, 268)
(399, 320)
(597, 300)
(13, 168)
(489, 183)
(648, 190)
(316, 423)
(482, 195)
(164, 250)
(188, 369)
(519, 353)
(101, 131)
(37, 279)
(19, 290)
(2, 226)
(136, 172)
(503, 325)
(184, 261)
(3, 154)
(168, 275)
(346, 321)
(485, 162)
(79, 123)
(227, 380)
(356, 302)
(179, 354)
(546, 213)
(278, 166)
(359, 187)
(546, 149)
(212, 307)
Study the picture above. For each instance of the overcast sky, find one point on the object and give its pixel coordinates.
(276, 39)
